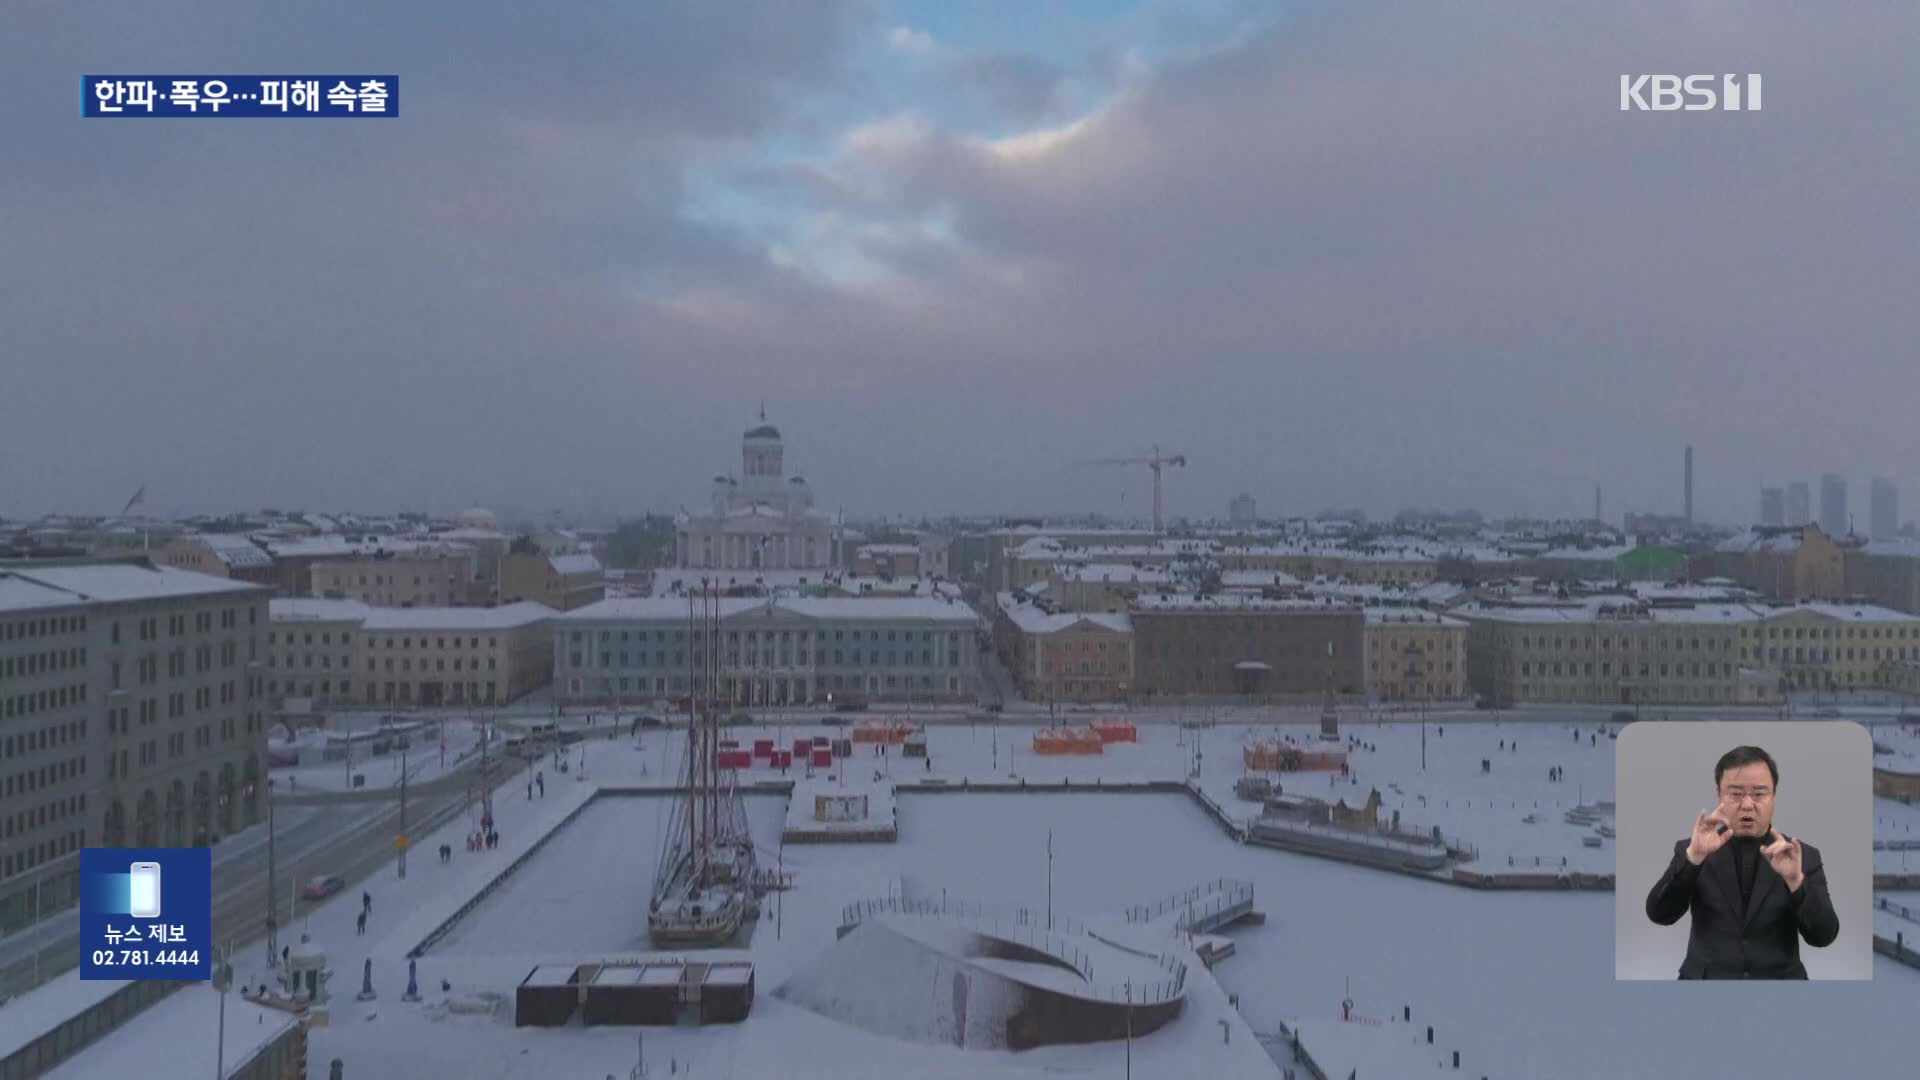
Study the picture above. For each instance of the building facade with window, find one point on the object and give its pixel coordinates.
(790, 650)
(454, 656)
(1415, 655)
(1225, 645)
(1633, 653)
(130, 715)
(311, 648)
(408, 575)
(1064, 656)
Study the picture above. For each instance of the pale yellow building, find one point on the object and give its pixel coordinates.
(1415, 655)
(423, 575)
(311, 647)
(1105, 586)
(455, 656)
(220, 555)
(561, 582)
(1630, 652)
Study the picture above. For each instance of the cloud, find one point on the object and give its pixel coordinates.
(1369, 254)
(1023, 87)
(908, 40)
(1381, 254)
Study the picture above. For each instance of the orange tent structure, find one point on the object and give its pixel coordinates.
(1279, 757)
(891, 732)
(1067, 741)
(1112, 731)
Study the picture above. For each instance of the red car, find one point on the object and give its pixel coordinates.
(319, 888)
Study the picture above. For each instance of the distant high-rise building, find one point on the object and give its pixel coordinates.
(1799, 503)
(1240, 510)
(1833, 505)
(1688, 514)
(1885, 509)
(1773, 506)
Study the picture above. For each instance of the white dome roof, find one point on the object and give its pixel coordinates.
(476, 518)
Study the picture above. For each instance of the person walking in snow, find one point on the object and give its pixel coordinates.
(360, 925)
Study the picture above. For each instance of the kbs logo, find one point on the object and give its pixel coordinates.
(1693, 93)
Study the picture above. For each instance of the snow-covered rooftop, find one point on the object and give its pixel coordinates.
(313, 609)
(1120, 573)
(574, 564)
(1231, 602)
(20, 594)
(1031, 619)
(235, 550)
(504, 617)
(1384, 616)
(115, 582)
(849, 608)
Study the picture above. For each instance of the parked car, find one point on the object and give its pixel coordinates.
(1623, 716)
(649, 721)
(996, 707)
(849, 703)
(740, 718)
(323, 886)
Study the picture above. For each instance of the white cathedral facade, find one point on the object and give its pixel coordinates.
(761, 520)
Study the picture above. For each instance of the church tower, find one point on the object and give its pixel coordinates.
(762, 463)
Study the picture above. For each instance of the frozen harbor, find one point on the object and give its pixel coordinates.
(1520, 983)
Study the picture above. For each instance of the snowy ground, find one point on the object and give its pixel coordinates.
(1521, 983)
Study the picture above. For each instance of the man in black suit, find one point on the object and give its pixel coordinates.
(1754, 892)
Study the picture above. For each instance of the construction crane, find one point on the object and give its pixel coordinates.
(1156, 462)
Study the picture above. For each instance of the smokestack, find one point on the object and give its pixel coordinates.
(1689, 485)
(1597, 516)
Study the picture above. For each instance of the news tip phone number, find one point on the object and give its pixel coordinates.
(288, 95)
(145, 957)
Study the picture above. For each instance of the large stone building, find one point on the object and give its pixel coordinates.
(1415, 655)
(130, 715)
(561, 582)
(1788, 564)
(1885, 572)
(405, 574)
(347, 652)
(1066, 656)
(219, 554)
(761, 520)
(776, 650)
(1629, 652)
(1232, 645)
(311, 648)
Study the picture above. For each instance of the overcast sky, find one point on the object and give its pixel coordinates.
(1358, 254)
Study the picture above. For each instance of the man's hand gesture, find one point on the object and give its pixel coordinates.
(1710, 832)
(1783, 855)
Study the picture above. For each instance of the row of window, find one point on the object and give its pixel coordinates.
(51, 737)
(35, 854)
(40, 701)
(39, 817)
(1574, 670)
(47, 626)
(326, 662)
(678, 684)
(801, 637)
(25, 667)
(326, 637)
(754, 658)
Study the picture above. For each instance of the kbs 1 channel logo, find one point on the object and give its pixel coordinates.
(146, 913)
(1689, 93)
(371, 97)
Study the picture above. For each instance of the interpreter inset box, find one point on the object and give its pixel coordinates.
(1745, 850)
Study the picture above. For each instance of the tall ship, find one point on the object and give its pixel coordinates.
(707, 885)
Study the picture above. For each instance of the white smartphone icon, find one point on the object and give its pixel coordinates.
(143, 892)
